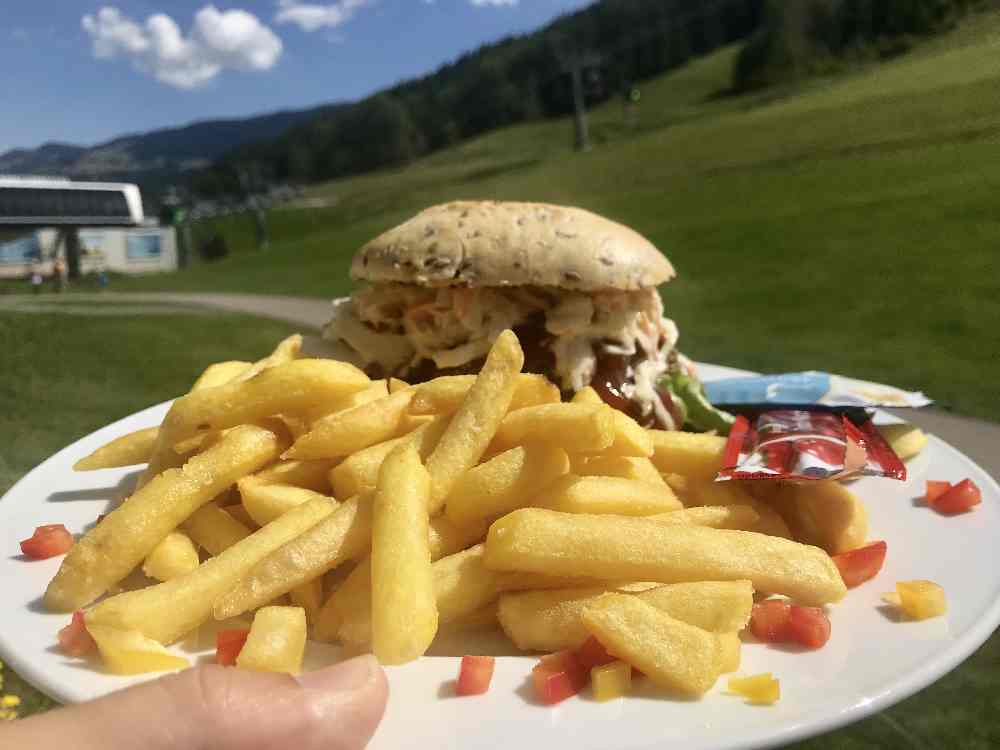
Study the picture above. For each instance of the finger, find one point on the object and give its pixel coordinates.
(221, 708)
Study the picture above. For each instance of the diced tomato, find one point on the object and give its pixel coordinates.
(959, 498)
(228, 644)
(862, 564)
(74, 639)
(592, 654)
(808, 626)
(558, 676)
(935, 489)
(475, 675)
(769, 620)
(47, 541)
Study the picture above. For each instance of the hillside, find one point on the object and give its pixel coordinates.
(156, 155)
(809, 225)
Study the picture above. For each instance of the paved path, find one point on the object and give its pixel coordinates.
(978, 439)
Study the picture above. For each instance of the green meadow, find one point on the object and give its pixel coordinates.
(847, 223)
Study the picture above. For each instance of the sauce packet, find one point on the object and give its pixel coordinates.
(807, 443)
(810, 387)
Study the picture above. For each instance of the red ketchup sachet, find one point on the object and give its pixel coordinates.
(805, 444)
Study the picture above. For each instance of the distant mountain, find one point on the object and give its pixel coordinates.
(157, 156)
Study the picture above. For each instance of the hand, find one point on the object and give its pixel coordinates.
(221, 708)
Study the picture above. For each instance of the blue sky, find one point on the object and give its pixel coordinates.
(83, 72)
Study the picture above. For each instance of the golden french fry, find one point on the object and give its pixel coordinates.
(704, 492)
(742, 517)
(404, 611)
(134, 448)
(443, 395)
(639, 549)
(310, 475)
(344, 535)
(907, 440)
(505, 482)
(285, 389)
(715, 606)
(345, 432)
(358, 473)
(265, 502)
(167, 611)
(547, 620)
(672, 653)
(639, 468)
(277, 641)
(239, 514)
(395, 384)
(286, 351)
(475, 423)
(729, 652)
(107, 552)
(630, 438)
(484, 617)
(627, 497)
(825, 514)
(577, 428)
(587, 395)
(220, 373)
(128, 652)
(174, 556)
(687, 453)
(463, 584)
(215, 530)
(347, 611)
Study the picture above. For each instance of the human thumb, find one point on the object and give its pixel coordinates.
(221, 708)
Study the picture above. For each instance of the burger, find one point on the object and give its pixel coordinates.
(579, 290)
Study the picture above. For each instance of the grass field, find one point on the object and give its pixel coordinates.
(849, 224)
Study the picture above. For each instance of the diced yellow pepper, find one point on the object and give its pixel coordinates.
(610, 681)
(760, 688)
(921, 599)
(277, 641)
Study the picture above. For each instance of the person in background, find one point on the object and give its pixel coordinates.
(36, 280)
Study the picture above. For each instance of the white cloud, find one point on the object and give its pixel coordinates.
(493, 3)
(311, 16)
(217, 41)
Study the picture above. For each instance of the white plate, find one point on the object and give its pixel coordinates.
(869, 663)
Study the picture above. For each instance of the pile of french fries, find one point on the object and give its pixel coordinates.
(376, 513)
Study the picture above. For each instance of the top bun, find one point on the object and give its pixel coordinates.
(489, 243)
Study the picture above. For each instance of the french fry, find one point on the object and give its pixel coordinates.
(286, 351)
(128, 450)
(214, 530)
(358, 473)
(687, 453)
(310, 475)
(220, 373)
(627, 497)
(729, 652)
(639, 549)
(742, 517)
(395, 384)
(639, 468)
(630, 439)
(277, 641)
(715, 606)
(825, 514)
(475, 423)
(285, 389)
(550, 620)
(547, 620)
(347, 610)
(265, 502)
(484, 617)
(239, 514)
(505, 482)
(704, 492)
(443, 395)
(128, 652)
(577, 428)
(174, 556)
(167, 611)
(345, 432)
(907, 440)
(463, 584)
(107, 552)
(672, 653)
(404, 610)
(587, 395)
(344, 535)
